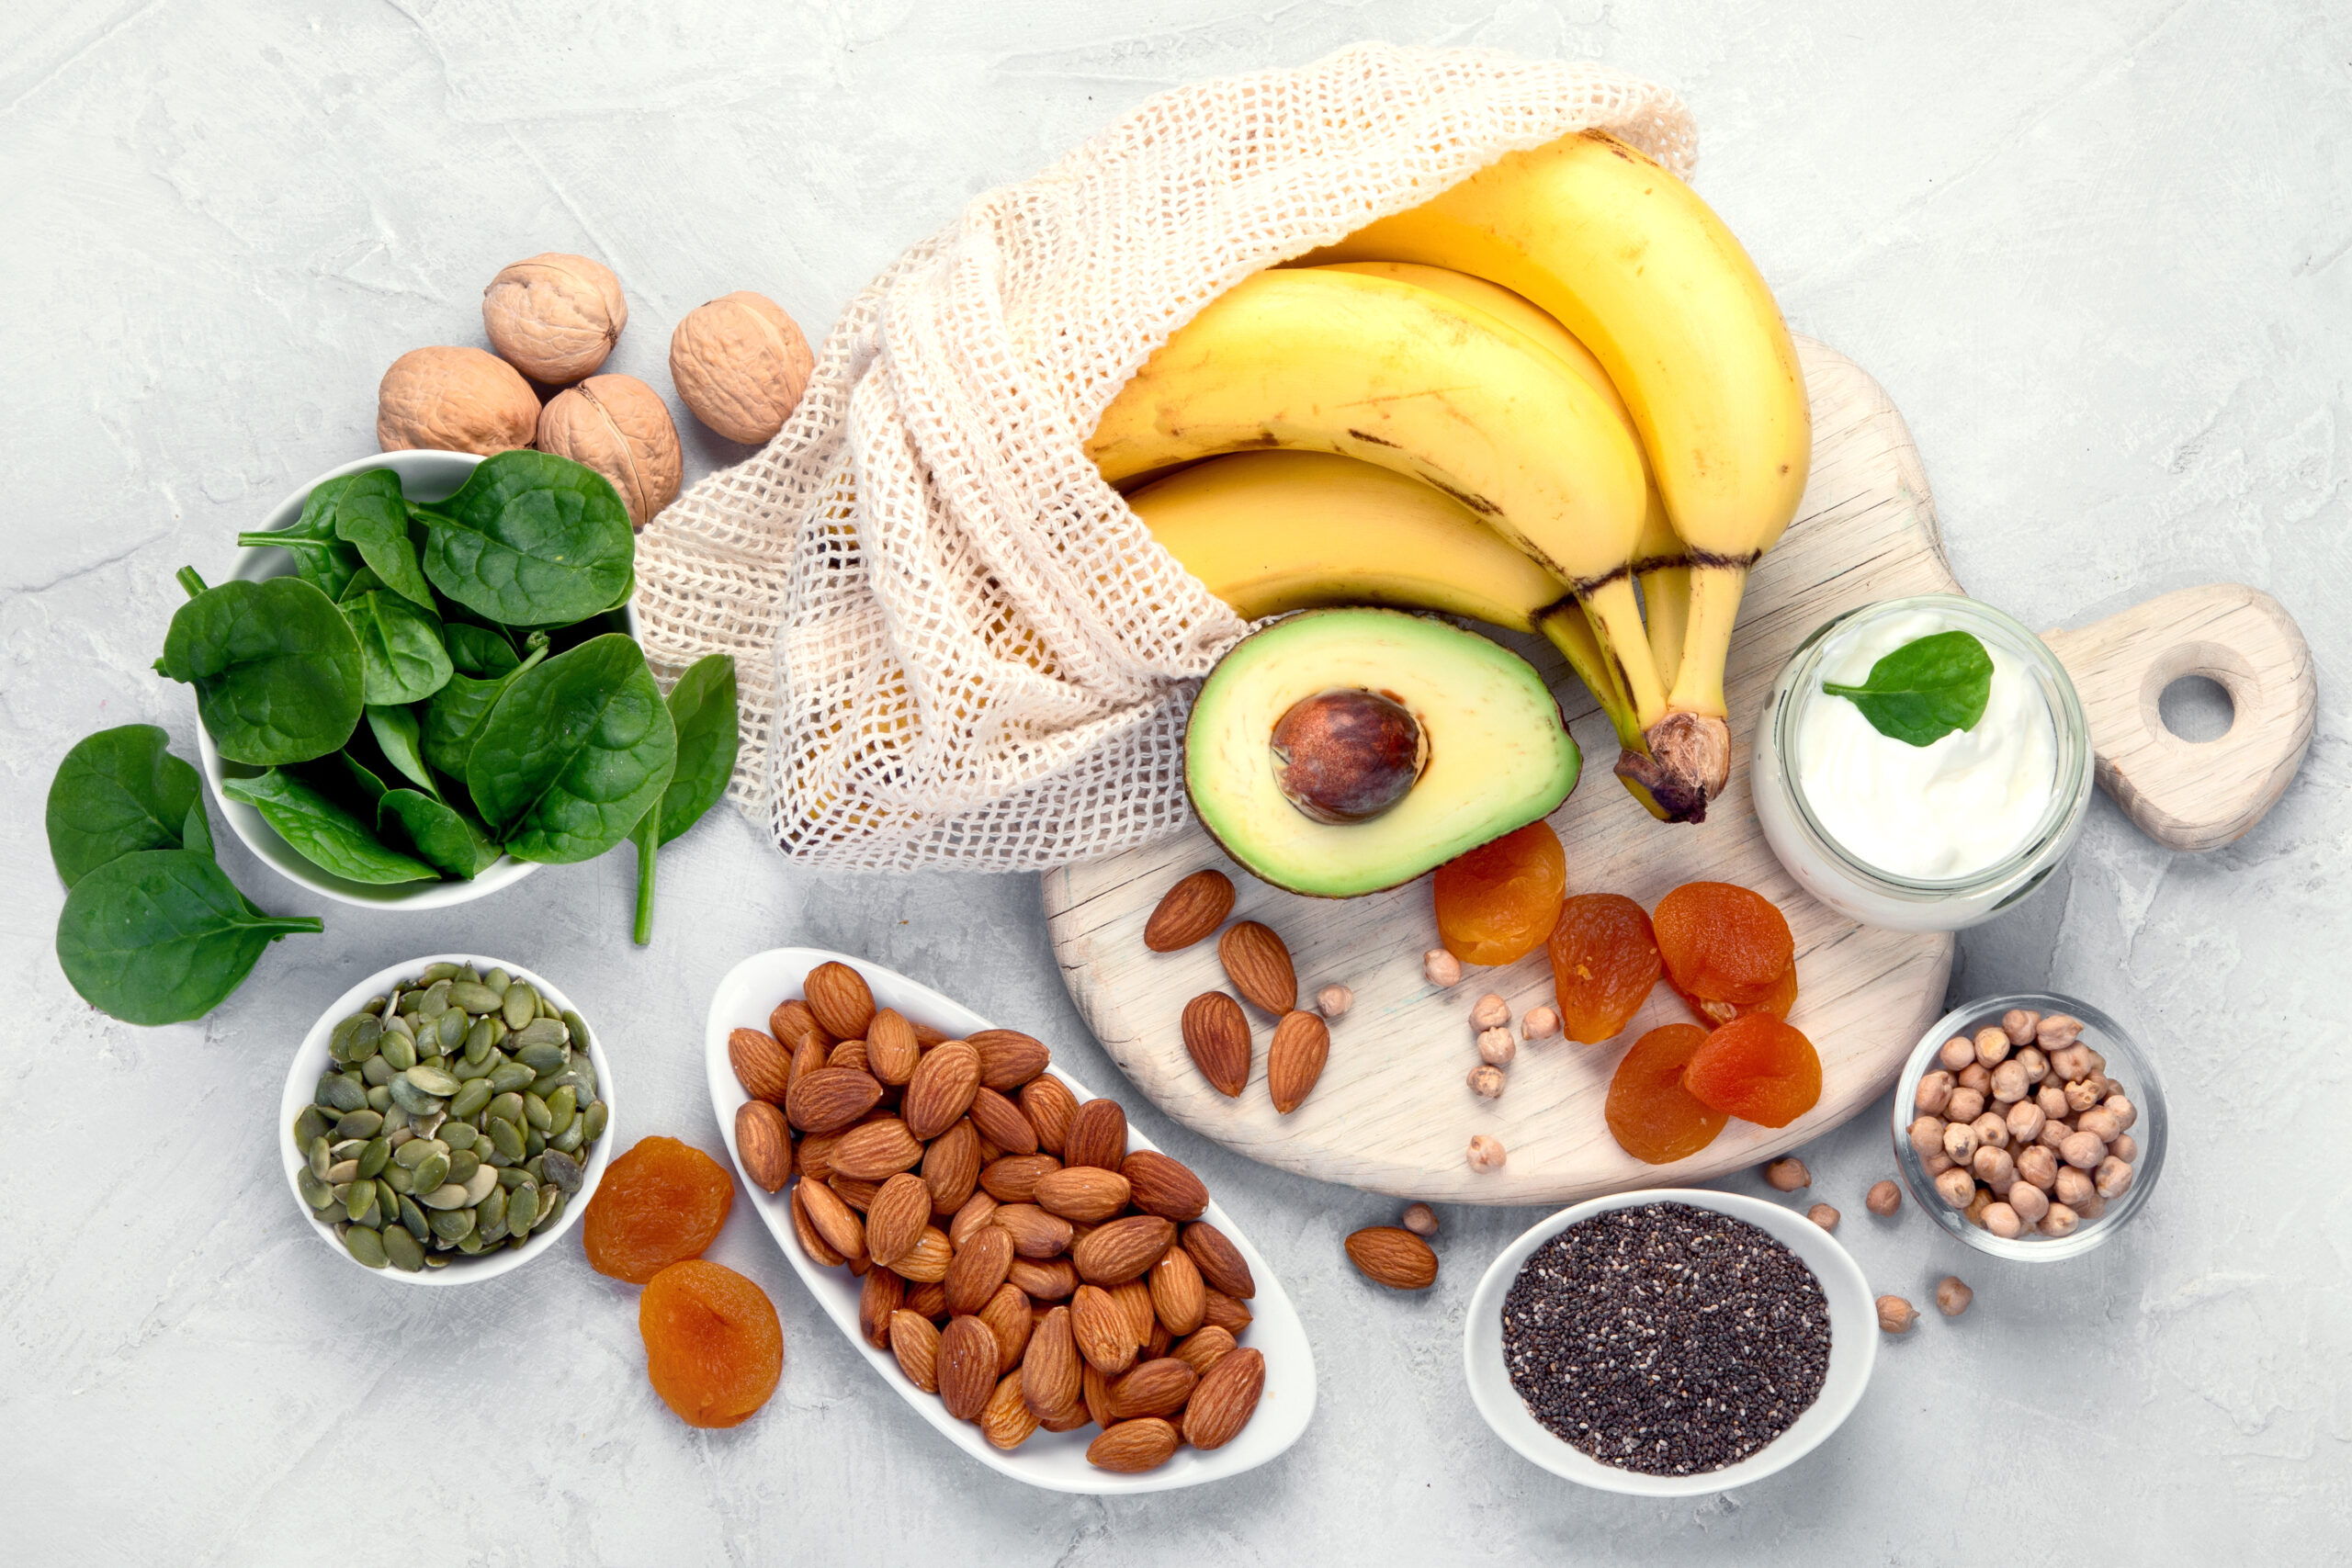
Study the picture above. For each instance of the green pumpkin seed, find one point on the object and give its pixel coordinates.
(398, 1179)
(339, 1040)
(359, 1125)
(459, 1135)
(507, 1107)
(558, 1169)
(463, 1163)
(313, 1122)
(367, 1248)
(479, 1040)
(496, 1158)
(520, 1005)
(411, 1099)
(377, 1072)
(480, 1185)
(374, 1005)
(412, 1217)
(512, 1176)
(364, 1038)
(372, 1159)
(523, 1209)
(397, 1024)
(342, 1172)
(490, 1214)
(471, 1244)
(320, 1158)
(453, 1224)
(339, 1094)
(471, 1097)
(380, 1099)
(595, 1118)
(539, 1031)
(544, 1058)
(315, 1191)
(448, 1196)
(432, 1171)
(551, 1201)
(534, 1142)
(360, 1201)
(401, 1250)
(548, 1009)
(433, 972)
(467, 1069)
(400, 1052)
(562, 1105)
(571, 1137)
(578, 1026)
(454, 1025)
(436, 995)
(473, 996)
(434, 1260)
(410, 1001)
(511, 1077)
(535, 1111)
(432, 1081)
(416, 1151)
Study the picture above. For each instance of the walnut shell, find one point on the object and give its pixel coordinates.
(741, 366)
(554, 317)
(619, 426)
(454, 399)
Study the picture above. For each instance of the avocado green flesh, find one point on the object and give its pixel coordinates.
(1500, 756)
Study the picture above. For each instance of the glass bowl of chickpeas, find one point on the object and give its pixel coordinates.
(2029, 1126)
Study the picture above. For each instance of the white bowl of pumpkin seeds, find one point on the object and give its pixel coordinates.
(415, 1077)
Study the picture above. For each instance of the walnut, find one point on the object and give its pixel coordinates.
(741, 366)
(554, 317)
(619, 426)
(454, 399)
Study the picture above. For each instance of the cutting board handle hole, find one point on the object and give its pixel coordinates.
(2197, 709)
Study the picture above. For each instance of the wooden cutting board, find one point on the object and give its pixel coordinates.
(1391, 1113)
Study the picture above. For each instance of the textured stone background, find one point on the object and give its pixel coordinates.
(2095, 252)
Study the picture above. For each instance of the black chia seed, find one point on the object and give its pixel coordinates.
(1666, 1339)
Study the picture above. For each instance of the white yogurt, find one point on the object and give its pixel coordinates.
(1924, 813)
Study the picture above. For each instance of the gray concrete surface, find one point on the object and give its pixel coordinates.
(2095, 252)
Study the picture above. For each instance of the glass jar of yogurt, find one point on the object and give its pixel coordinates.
(1922, 837)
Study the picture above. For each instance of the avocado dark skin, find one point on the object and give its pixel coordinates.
(1347, 755)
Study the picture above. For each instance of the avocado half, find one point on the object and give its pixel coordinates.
(1495, 753)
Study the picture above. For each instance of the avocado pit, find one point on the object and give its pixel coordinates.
(1347, 755)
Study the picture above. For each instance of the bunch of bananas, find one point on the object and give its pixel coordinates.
(1560, 377)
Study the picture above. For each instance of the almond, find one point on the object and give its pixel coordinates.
(1196, 905)
(842, 1229)
(1049, 1375)
(1008, 1316)
(1204, 1350)
(1099, 1328)
(1178, 1296)
(925, 1263)
(1294, 1060)
(791, 1020)
(1013, 1179)
(1220, 1261)
(890, 1049)
(810, 1054)
(1047, 1280)
(927, 1036)
(1008, 1422)
(1000, 1123)
(883, 1295)
(1153, 1388)
(1157, 1345)
(1225, 1399)
(1130, 1447)
(975, 1212)
(1097, 1135)
(1008, 1057)
(1036, 1233)
(896, 1217)
(1050, 1106)
(1084, 1194)
(848, 1053)
(1134, 1298)
(1256, 962)
(915, 1342)
(830, 1098)
(761, 1065)
(875, 1151)
(858, 1194)
(942, 1088)
(1222, 1311)
(812, 1241)
(1122, 1250)
(1216, 1035)
(928, 1296)
(814, 1159)
(1095, 1388)
(764, 1142)
(1394, 1256)
(951, 1168)
(840, 1000)
(978, 1269)
(967, 1376)
(1162, 1186)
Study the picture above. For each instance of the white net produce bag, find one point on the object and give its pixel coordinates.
(956, 645)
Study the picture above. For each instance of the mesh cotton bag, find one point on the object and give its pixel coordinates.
(956, 645)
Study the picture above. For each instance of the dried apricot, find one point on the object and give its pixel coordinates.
(713, 1347)
(1604, 961)
(1756, 1068)
(1722, 942)
(1777, 1001)
(1651, 1115)
(1497, 902)
(659, 1203)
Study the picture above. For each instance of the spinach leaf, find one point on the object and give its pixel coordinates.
(441, 834)
(321, 558)
(574, 753)
(371, 516)
(454, 715)
(401, 659)
(363, 582)
(479, 650)
(117, 792)
(531, 539)
(396, 736)
(197, 833)
(702, 709)
(275, 666)
(162, 936)
(324, 833)
(1926, 689)
(354, 778)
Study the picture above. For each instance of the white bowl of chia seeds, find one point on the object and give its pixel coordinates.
(1701, 1340)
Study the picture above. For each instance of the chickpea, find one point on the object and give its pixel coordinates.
(2091, 1208)
(1959, 1142)
(1895, 1316)
(1486, 1080)
(2073, 1186)
(1823, 1215)
(1996, 1170)
(2083, 1150)
(2052, 1097)
(2112, 1179)
(1487, 1154)
(1491, 1012)
(1927, 1134)
(2031, 1201)
(1992, 1048)
(1957, 1052)
(2025, 1121)
(1952, 1296)
(1541, 1023)
(1976, 1076)
(2081, 1095)
(1787, 1174)
(2038, 1167)
(2070, 1062)
(1991, 1129)
(1956, 1187)
(2053, 1134)
(1885, 1199)
(1974, 1213)
(1936, 1164)
(1966, 1105)
(1496, 1047)
(1934, 1092)
(2060, 1221)
(2102, 1121)
(2099, 1063)
(1334, 1000)
(2036, 1064)
(2058, 1029)
(2002, 1221)
(1420, 1219)
(2019, 1024)
(1440, 968)
(2008, 1083)
(2123, 1109)
(2125, 1147)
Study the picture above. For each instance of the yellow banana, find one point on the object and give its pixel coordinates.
(1273, 532)
(1630, 260)
(1408, 380)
